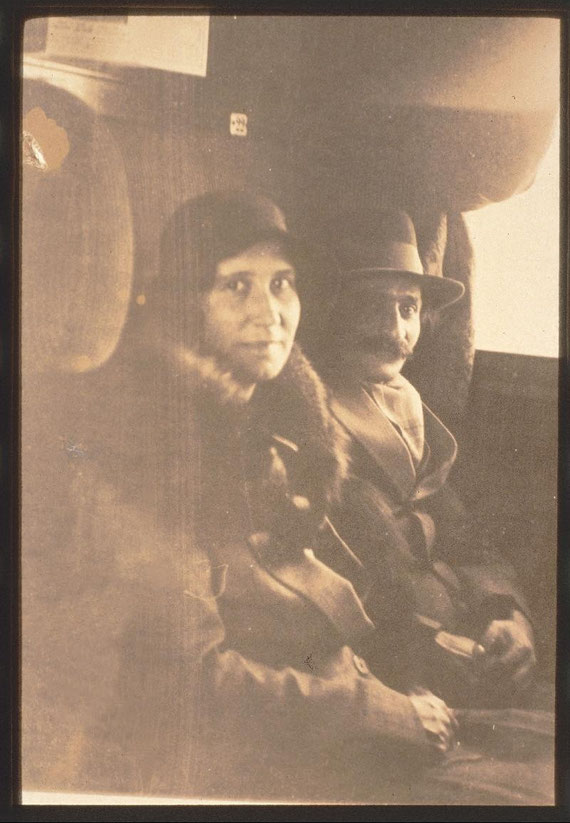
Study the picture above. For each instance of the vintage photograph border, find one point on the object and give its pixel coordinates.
(11, 23)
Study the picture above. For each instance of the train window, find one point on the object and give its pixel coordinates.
(516, 245)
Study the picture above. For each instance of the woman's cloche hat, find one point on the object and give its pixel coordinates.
(221, 224)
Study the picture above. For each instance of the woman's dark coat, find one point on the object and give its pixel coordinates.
(182, 637)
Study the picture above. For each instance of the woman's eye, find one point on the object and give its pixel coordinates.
(283, 282)
(236, 284)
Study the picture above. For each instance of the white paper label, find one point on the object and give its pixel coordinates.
(172, 43)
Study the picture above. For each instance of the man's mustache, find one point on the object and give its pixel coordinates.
(386, 345)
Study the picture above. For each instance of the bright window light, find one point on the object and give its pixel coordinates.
(516, 243)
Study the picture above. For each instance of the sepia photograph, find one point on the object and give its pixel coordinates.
(290, 352)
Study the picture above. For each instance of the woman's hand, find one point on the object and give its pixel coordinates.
(436, 717)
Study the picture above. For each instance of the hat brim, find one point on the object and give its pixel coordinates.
(437, 292)
(315, 259)
(291, 243)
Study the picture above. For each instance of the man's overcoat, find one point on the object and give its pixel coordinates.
(415, 540)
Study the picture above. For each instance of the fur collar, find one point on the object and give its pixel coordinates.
(294, 405)
(155, 402)
(297, 406)
(206, 375)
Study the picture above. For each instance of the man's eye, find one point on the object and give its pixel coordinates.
(409, 310)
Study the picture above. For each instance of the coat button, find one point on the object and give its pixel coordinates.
(361, 665)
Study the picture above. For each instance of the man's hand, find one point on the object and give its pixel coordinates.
(436, 717)
(509, 651)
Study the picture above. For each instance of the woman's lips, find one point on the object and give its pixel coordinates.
(262, 344)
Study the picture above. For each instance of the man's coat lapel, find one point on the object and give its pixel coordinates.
(358, 413)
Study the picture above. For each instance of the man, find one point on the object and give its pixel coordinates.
(449, 614)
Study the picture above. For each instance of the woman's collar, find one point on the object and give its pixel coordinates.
(206, 373)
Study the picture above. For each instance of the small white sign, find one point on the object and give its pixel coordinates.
(238, 124)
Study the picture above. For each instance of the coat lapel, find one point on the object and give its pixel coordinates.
(441, 457)
(358, 413)
(332, 594)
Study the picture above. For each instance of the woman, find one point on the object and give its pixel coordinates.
(208, 651)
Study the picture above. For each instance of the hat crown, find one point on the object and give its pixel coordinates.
(388, 225)
(240, 212)
(380, 240)
(229, 222)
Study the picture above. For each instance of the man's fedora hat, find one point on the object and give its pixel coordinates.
(382, 242)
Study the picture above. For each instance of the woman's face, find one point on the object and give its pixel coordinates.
(252, 311)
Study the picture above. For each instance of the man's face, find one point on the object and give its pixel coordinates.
(379, 326)
(252, 311)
